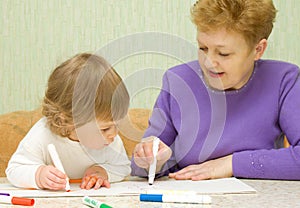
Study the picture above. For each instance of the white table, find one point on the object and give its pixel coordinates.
(270, 193)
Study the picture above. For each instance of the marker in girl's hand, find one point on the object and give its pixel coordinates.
(57, 163)
(78, 180)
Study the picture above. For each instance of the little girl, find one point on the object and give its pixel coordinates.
(84, 100)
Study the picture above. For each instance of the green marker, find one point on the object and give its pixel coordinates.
(94, 203)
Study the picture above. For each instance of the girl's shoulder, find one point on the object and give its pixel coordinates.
(39, 133)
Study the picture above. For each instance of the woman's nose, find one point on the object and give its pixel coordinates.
(209, 61)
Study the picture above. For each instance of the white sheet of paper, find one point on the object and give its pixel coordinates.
(216, 186)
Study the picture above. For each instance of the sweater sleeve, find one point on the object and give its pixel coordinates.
(23, 165)
(117, 164)
(277, 163)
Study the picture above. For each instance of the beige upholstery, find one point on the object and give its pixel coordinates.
(15, 125)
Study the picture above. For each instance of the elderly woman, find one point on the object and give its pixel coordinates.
(220, 116)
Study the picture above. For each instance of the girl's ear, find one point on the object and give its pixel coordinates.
(260, 48)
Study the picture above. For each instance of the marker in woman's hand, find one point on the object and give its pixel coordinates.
(152, 169)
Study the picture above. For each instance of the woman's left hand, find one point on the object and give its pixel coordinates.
(95, 177)
(212, 169)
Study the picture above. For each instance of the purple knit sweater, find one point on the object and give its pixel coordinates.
(201, 124)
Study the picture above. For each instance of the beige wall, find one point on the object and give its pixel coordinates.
(38, 35)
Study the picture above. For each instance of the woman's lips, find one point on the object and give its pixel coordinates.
(215, 74)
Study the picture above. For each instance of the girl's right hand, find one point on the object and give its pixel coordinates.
(49, 177)
(143, 154)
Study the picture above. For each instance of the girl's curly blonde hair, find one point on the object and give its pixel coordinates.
(81, 89)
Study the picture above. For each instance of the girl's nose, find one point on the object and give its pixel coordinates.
(109, 135)
(109, 139)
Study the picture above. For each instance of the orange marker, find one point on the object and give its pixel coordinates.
(16, 200)
(79, 180)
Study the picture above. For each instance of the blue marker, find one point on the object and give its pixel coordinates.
(192, 198)
(4, 194)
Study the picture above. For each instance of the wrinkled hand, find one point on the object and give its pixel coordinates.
(143, 154)
(95, 177)
(218, 168)
(49, 177)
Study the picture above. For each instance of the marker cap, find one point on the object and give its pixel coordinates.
(151, 197)
(22, 201)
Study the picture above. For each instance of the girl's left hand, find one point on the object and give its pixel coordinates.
(212, 169)
(95, 177)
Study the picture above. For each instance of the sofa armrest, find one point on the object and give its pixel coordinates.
(132, 128)
(13, 127)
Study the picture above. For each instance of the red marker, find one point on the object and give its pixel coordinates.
(16, 200)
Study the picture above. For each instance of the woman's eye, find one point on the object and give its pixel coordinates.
(224, 54)
(202, 49)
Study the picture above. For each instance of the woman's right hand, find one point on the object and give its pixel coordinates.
(49, 177)
(143, 154)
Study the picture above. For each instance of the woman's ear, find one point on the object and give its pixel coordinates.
(260, 48)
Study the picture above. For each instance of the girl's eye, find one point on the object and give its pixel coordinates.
(203, 49)
(104, 130)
